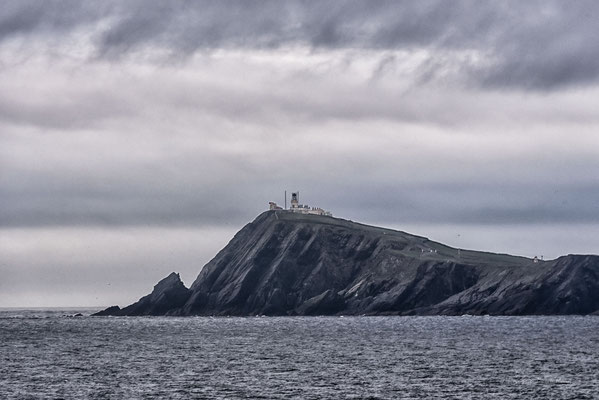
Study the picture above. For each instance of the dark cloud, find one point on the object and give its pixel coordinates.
(530, 45)
(164, 199)
(472, 203)
(32, 17)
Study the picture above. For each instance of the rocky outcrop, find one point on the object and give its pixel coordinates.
(113, 310)
(288, 264)
(168, 295)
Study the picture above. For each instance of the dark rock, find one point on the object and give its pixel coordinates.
(327, 302)
(291, 264)
(113, 310)
(76, 315)
(168, 296)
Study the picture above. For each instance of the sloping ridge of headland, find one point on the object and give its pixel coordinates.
(284, 263)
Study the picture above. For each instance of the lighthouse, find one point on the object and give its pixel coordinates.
(296, 207)
(295, 200)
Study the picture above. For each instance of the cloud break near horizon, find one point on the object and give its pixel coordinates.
(137, 137)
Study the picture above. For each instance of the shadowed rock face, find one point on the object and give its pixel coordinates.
(289, 264)
(168, 295)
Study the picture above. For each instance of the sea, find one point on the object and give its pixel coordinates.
(66, 354)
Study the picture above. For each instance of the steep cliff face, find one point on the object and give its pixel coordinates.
(289, 264)
(568, 285)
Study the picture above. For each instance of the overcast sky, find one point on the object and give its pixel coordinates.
(137, 137)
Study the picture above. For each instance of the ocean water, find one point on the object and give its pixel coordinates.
(49, 355)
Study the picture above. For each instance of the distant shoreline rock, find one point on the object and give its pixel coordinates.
(284, 263)
(113, 310)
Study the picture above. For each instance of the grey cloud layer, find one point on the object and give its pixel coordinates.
(235, 203)
(137, 136)
(540, 45)
(205, 187)
(116, 141)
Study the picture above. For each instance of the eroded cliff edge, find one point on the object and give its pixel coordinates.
(291, 264)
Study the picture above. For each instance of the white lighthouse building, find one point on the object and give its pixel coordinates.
(296, 207)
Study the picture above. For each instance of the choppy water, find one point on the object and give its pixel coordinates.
(47, 355)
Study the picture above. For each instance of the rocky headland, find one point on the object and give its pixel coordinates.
(291, 264)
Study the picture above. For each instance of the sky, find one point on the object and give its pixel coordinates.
(137, 137)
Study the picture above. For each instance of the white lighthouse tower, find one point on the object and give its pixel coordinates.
(295, 200)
